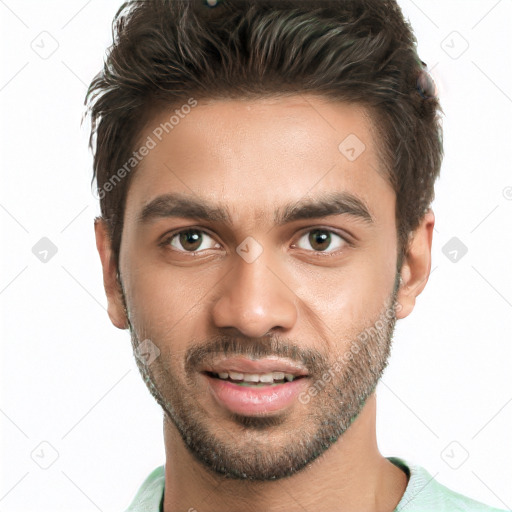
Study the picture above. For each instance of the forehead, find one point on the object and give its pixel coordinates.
(253, 155)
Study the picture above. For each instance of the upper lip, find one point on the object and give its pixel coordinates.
(265, 365)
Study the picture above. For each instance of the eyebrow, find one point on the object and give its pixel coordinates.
(178, 205)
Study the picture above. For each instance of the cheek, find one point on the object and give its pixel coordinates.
(155, 299)
(168, 302)
(348, 298)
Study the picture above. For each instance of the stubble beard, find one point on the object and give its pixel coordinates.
(272, 447)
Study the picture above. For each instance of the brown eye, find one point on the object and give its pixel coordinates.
(190, 240)
(322, 239)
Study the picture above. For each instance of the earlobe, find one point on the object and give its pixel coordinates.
(116, 308)
(416, 265)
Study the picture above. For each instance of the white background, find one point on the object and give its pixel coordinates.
(68, 376)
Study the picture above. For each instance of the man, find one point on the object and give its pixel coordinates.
(265, 171)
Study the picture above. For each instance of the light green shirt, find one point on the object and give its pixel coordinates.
(423, 494)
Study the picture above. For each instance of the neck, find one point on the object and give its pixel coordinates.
(350, 475)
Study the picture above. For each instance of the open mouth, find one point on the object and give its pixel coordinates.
(255, 379)
(255, 393)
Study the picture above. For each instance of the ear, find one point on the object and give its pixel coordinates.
(116, 307)
(416, 265)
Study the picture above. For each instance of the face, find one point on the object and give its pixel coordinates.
(253, 245)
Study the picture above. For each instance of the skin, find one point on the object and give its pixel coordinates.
(252, 157)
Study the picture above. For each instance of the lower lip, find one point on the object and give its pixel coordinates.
(255, 401)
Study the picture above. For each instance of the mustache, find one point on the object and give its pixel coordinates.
(254, 348)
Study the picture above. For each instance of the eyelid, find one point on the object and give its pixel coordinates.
(347, 239)
(167, 237)
(341, 233)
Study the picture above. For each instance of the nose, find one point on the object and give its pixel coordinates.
(255, 298)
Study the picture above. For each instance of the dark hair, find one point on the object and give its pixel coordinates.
(166, 51)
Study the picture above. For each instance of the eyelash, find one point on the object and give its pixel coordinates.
(166, 242)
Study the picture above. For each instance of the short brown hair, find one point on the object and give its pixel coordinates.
(362, 51)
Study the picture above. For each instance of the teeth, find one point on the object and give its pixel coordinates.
(268, 378)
